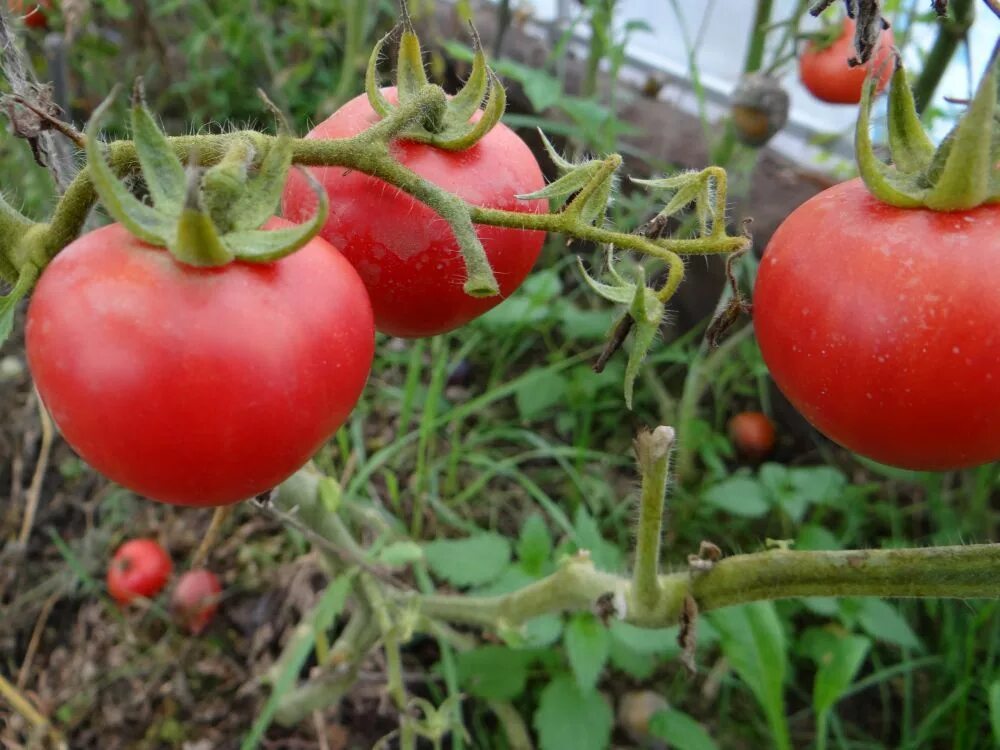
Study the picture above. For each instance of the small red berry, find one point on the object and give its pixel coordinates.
(140, 567)
(196, 599)
(32, 13)
(752, 433)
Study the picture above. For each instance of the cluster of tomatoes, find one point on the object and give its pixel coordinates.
(207, 386)
(141, 568)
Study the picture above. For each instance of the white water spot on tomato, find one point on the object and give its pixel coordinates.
(955, 350)
(868, 396)
(805, 310)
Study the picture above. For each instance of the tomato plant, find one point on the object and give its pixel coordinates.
(197, 386)
(825, 73)
(140, 567)
(880, 325)
(195, 599)
(752, 433)
(404, 252)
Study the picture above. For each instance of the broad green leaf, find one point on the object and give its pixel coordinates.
(468, 562)
(681, 731)
(883, 622)
(754, 642)
(493, 672)
(605, 555)
(638, 651)
(570, 719)
(534, 546)
(814, 537)
(399, 554)
(539, 632)
(587, 642)
(739, 496)
(838, 667)
(536, 398)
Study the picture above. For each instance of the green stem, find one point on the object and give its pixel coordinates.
(653, 454)
(758, 38)
(965, 572)
(951, 32)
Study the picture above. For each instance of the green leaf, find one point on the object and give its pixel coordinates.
(468, 562)
(605, 555)
(536, 398)
(638, 651)
(754, 643)
(838, 667)
(493, 672)
(739, 496)
(400, 554)
(539, 632)
(534, 546)
(570, 719)
(161, 169)
(681, 731)
(814, 537)
(883, 622)
(587, 643)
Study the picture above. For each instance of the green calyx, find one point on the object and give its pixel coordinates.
(451, 127)
(204, 217)
(961, 173)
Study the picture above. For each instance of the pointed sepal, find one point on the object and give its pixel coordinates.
(161, 169)
(26, 279)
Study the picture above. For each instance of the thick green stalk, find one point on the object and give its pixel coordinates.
(758, 38)
(964, 572)
(653, 453)
(951, 32)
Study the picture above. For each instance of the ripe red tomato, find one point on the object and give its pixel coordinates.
(140, 567)
(829, 78)
(406, 253)
(195, 599)
(197, 386)
(32, 13)
(752, 433)
(882, 326)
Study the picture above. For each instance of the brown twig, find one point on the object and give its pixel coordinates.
(36, 638)
(35, 490)
(218, 518)
(54, 122)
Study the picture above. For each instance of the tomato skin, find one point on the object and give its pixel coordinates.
(828, 77)
(406, 254)
(140, 567)
(33, 13)
(752, 433)
(197, 386)
(195, 599)
(882, 326)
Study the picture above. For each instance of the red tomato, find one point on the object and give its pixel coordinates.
(882, 326)
(197, 386)
(140, 567)
(827, 75)
(32, 13)
(195, 599)
(752, 434)
(406, 254)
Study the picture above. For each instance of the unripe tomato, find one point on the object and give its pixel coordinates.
(140, 567)
(882, 326)
(32, 13)
(406, 254)
(752, 433)
(195, 599)
(829, 78)
(197, 386)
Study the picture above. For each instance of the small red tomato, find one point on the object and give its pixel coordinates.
(195, 599)
(32, 13)
(197, 386)
(405, 253)
(829, 78)
(140, 567)
(882, 326)
(752, 433)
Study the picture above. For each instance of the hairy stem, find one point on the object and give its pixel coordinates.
(653, 453)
